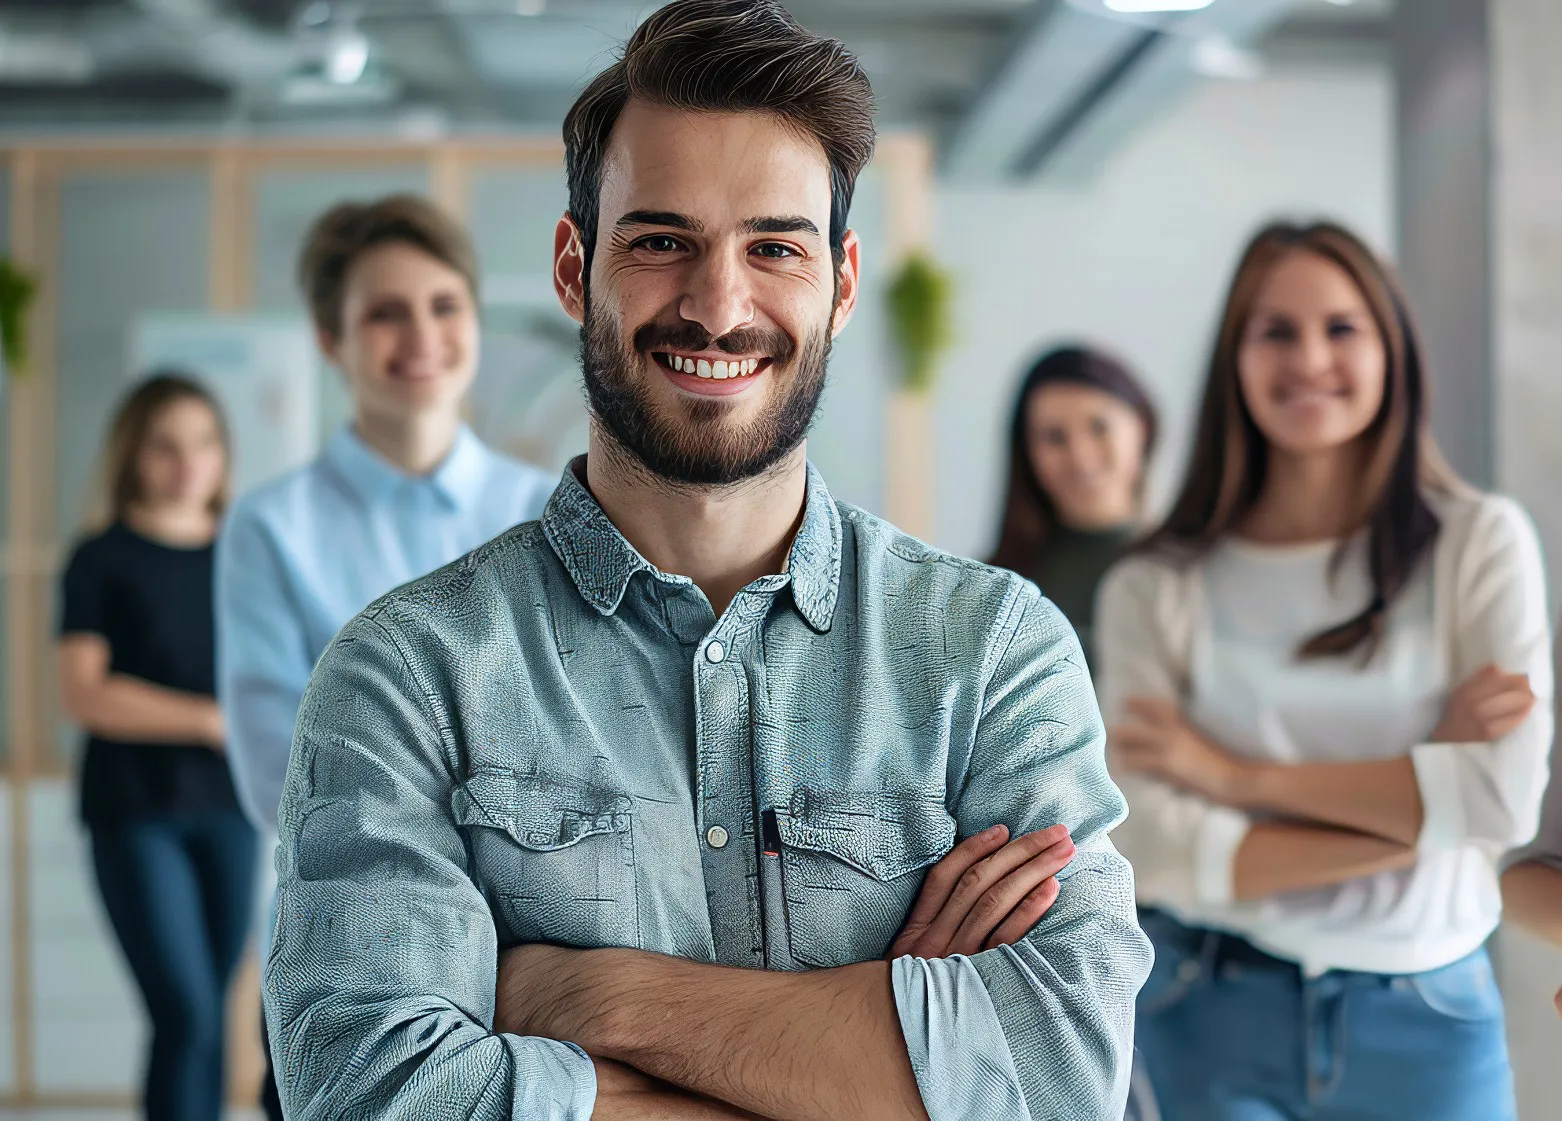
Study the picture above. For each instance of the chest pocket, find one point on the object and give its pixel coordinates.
(554, 857)
(851, 866)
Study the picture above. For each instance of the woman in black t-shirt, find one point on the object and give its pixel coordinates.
(172, 852)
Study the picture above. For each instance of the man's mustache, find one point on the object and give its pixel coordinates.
(689, 336)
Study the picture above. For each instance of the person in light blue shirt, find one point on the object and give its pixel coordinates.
(404, 489)
(407, 487)
(620, 816)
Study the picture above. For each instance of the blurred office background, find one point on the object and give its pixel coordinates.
(1079, 173)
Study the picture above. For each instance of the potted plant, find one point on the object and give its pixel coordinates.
(17, 290)
(919, 297)
(919, 313)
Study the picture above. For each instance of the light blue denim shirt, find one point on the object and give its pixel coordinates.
(301, 555)
(552, 741)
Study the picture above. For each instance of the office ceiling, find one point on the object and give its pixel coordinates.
(1010, 87)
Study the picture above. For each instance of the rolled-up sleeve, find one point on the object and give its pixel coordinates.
(263, 662)
(1043, 1028)
(1182, 846)
(1489, 794)
(379, 990)
(1546, 846)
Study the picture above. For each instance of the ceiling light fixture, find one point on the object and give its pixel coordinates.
(1142, 6)
(1218, 57)
(347, 56)
(530, 7)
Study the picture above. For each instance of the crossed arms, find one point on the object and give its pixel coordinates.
(381, 989)
(1193, 834)
(815, 1045)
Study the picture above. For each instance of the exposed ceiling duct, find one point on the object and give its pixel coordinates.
(1084, 77)
(1007, 87)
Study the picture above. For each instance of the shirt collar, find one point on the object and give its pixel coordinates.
(457, 480)
(601, 562)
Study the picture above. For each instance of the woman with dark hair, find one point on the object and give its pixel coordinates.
(1079, 445)
(1319, 677)
(173, 854)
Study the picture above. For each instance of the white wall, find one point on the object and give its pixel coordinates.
(1139, 260)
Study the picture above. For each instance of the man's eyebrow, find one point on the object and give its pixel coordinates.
(788, 224)
(661, 218)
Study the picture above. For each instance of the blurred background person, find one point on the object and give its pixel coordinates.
(173, 854)
(1317, 677)
(1532, 884)
(392, 288)
(1080, 441)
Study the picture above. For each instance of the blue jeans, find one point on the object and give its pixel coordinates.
(1230, 1034)
(178, 892)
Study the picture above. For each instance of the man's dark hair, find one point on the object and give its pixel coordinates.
(727, 56)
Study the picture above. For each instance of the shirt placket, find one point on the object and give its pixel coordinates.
(728, 848)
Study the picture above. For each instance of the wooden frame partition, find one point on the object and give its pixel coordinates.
(31, 546)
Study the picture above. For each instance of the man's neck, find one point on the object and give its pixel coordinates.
(721, 538)
(415, 445)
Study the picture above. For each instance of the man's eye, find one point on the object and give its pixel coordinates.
(660, 243)
(775, 251)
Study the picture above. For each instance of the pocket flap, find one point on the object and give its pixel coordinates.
(884, 835)
(540, 812)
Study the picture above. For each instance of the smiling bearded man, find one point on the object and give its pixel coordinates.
(706, 796)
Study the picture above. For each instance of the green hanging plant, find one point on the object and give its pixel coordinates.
(919, 312)
(17, 290)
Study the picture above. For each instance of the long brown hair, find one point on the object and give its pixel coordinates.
(133, 424)
(1230, 456)
(1030, 518)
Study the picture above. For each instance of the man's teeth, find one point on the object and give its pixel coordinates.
(719, 370)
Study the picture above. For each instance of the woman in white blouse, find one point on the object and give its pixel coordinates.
(1318, 677)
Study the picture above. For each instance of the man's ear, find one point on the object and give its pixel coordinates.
(847, 283)
(569, 268)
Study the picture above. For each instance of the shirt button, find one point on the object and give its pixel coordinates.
(717, 836)
(715, 652)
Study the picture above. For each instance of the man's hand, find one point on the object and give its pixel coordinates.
(1155, 739)
(985, 893)
(1484, 707)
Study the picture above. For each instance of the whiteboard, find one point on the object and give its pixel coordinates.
(264, 371)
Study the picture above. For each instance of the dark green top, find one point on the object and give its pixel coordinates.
(1070, 569)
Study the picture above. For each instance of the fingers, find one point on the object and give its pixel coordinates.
(1479, 678)
(944, 875)
(980, 878)
(1511, 703)
(1153, 710)
(1137, 758)
(1131, 735)
(999, 901)
(1489, 680)
(1026, 915)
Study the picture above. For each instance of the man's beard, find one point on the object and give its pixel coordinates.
(688, 444)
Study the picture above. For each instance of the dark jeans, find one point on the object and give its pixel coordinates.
(178, 891)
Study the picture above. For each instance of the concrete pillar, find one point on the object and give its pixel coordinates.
(1480, 197)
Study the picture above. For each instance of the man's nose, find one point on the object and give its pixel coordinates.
(717, 296)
